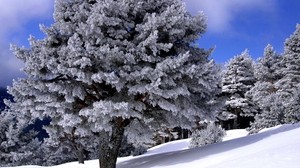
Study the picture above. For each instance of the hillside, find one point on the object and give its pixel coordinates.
(277, 147)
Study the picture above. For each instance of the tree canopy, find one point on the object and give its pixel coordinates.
(111, 68)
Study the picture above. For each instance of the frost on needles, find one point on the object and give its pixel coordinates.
(112, 69)
(237, 79)
(277, 90)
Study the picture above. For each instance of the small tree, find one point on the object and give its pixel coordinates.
(237, 79)
(211, 134)
(271, 114)
(112, 69)
(290, 76)
(264, 92)
(288, 85)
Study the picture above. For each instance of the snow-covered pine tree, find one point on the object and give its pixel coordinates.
(266, 67)
(288, 84)
(58, 152)
(111, 68)
(237, 79)
(18, 146)
(68, 15)
(6, 119)
(290, 71)
(292, 113)
(263, 93)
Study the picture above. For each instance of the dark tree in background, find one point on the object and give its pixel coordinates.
(237, 79)
(288, 86)
(264, 92)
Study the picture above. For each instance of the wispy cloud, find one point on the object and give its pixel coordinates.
(14, 15)
(9, 66)
(221, 13)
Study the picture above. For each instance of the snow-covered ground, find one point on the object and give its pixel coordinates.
(277, 147)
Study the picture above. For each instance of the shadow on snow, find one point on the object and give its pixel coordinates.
(189, 155)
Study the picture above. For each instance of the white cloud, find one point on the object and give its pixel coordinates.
(9, 67)
(14, 14)
(221, 13)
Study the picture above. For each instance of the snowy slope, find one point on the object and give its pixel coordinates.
(183, 144)
(277, 147)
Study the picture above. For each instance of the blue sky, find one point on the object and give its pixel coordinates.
(233, 26)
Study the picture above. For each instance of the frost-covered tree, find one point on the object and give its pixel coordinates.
(290, 70)
(271, 113)
(58, 152)
(18, 146)
(6, 120)
(111, 68)
(264, 92)
(211, 134)
(237, 79)
(266, 68)
(292, 113)
(288, 85)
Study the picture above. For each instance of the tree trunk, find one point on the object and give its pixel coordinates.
(80, 154)
(182, 133)
(110, 145)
